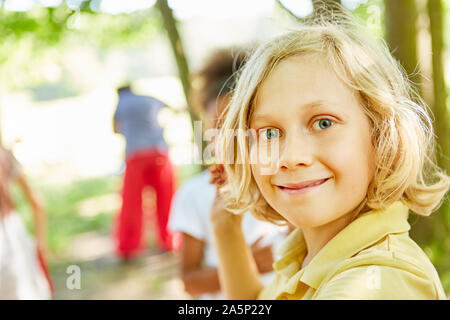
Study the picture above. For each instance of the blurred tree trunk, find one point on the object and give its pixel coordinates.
(401, 34)
(178, 52)
(439, 229)
(439, 106)
(316, 3)
(183, 70)
(316, 6)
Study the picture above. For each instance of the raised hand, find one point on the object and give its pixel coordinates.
(220, 217)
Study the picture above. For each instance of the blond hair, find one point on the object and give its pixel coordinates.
(402, 131)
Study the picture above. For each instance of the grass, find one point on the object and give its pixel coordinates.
(63, 204)
(64, 220)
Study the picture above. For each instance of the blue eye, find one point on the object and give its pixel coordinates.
(269, 134)
(322, 124)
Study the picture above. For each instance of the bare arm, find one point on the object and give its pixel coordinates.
(238, 271)
(196, 278)
(38, 213)
(116, 126)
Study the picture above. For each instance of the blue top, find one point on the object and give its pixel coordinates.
(137, 120)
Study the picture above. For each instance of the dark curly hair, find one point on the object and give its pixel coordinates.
(217, 77)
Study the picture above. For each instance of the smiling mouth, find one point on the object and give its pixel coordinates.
(293, 189)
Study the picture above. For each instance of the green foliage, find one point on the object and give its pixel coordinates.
(32, 36)
(46, 25)
(62, 207)
(446, 7)
(438, 250)
(62, 204)
(107, 31)
(49, 26)
(372, 14)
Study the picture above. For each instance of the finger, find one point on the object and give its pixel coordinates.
(212, 170)
(215, 181)
(255, 244)
(267, 249)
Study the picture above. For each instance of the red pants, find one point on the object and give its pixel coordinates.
(144, 168)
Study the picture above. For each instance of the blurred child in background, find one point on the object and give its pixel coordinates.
(147, 166)
(23, 271)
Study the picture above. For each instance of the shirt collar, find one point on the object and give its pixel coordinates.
(364, 231)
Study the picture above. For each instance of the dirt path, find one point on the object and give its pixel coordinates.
(152, 276)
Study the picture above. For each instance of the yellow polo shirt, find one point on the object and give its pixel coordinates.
(371, 258)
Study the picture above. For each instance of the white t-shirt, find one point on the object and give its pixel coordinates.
(21, 277)
(190, 212)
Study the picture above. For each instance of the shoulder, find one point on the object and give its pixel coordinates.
(154, 101)
(390, 269)
(194, 197)
(378, 282)
(10, 164)
(190, 207)
(194, 186)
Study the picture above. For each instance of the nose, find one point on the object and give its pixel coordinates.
(296, 151)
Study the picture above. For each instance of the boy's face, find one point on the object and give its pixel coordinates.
(214, 110)
(323, 137)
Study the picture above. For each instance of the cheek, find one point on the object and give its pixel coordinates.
(264, 159)
(262, 181)
(259, 179)
(351, 159)
(262, 173)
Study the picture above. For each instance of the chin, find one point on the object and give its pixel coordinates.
(309, 222)
(307, 218)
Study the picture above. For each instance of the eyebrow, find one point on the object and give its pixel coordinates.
(309, 105)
